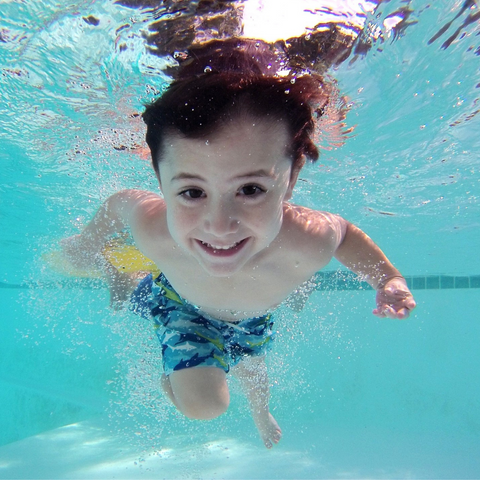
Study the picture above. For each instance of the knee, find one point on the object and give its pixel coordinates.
(204, 408)
(200, 393)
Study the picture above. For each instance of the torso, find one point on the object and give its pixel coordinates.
(304, 245)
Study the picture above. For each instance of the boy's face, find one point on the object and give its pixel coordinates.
(225, 193)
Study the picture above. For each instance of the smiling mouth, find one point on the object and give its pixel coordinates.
(222, 250)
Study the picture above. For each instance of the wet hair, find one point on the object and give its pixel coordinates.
(226, 80)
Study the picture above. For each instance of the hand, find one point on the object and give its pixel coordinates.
(394, 299)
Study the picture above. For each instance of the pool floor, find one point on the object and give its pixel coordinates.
(89, 450)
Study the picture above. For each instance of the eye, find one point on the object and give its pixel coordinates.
(251, 190)
(192, 193)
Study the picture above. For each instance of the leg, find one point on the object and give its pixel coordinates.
(199, 393)
(252, 373)
(192, 351)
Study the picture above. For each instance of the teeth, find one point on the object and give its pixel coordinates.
(216, 247)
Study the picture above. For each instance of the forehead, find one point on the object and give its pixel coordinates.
(237, 149)
(252, 135)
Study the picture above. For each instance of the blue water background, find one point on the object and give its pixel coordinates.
(362, 394)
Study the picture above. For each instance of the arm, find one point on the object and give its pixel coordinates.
(117, 212)
(359, 253)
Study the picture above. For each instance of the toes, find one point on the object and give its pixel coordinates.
(269, 440)
(274, 437)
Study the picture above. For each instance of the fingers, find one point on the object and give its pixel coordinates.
(394, 303)
(387, 311)
(397, 293)
(402, 314)
(410, 304)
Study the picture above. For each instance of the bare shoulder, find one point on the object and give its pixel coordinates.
(148, 205)
(146, 216)
(313, 229)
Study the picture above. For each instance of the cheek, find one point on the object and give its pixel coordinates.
(180, 220)
(268, 217)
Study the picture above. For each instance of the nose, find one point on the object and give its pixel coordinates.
(221, 218)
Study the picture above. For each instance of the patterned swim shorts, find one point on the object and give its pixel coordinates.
(190, 339)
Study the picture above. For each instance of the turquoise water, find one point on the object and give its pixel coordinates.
(356, 397)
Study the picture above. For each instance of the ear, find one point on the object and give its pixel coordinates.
(296, 167)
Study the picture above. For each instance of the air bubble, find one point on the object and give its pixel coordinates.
(207, 69)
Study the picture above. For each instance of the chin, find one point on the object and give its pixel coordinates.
(221, 270)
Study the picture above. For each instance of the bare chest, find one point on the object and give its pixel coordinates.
(250, 293)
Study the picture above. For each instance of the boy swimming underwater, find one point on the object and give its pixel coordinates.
(227, 144)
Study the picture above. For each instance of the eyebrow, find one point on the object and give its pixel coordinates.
(191, 176)
(256, 173)
(187, 176)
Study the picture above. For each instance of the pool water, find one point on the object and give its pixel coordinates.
(356, 397)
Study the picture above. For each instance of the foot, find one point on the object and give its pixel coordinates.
(268, 428)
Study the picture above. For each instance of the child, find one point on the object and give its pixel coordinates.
(228, 142)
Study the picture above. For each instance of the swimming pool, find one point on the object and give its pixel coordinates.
(356, 397)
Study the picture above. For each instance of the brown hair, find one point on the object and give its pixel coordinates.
(223, 79)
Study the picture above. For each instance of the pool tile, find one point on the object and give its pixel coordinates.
(329, 280)
(418, 283)
(345, 281)
(475, 281)
(462, 282)
(447, 281)
(433, 282)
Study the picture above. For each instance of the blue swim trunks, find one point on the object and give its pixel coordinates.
(190, 339)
